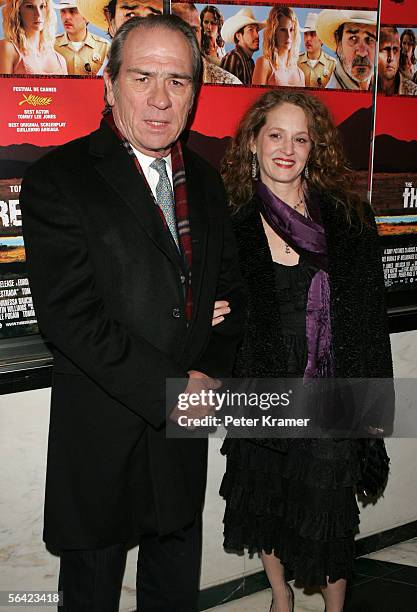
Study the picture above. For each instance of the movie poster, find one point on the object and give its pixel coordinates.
(52, 97)
(394, 181)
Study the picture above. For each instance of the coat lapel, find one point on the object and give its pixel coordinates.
(118, 170)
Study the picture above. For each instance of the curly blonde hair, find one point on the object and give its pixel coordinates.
(270, 35)
(15, 32)
(328, 170)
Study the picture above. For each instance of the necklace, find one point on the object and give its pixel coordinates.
(295, 207)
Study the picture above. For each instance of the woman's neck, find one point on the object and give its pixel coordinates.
(283, 57)
(290, 193)
(33, 41)
(212, 45)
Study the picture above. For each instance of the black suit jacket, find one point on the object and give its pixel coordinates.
(106, 284)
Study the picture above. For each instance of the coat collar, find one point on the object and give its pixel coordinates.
(117, 168)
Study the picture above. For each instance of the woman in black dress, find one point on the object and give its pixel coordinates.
(311, 263)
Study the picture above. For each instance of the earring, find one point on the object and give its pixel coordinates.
(306, 172)
(254, 166)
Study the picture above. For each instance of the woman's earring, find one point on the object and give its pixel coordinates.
(254, 166)
(306, 172)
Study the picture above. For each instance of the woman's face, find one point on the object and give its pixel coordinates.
(285, 34)
(33, 15)
(283, 145)
(210, 26)
(407, 46)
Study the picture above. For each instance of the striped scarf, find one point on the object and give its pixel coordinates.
(181, 206)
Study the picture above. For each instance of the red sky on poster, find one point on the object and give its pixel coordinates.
(396, 116)
(214, 118)
(78, 103)
(399, 13)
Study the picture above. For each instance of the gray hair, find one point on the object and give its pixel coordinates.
(154, 22)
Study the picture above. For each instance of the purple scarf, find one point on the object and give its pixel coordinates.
(307, 236)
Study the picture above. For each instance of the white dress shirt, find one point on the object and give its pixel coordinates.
(152, 175)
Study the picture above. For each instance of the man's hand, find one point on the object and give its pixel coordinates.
(198, 382)
(221, 308)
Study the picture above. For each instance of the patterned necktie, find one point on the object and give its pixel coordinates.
(165, 197)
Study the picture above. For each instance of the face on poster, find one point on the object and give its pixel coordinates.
(288, 45)
(284, 45)
(397, 61)
(65, 37)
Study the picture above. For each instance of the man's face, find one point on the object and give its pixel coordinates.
(248, 39)
(73, 22)
(356, 50)
(312, 43)
(153, 94)
(189, 14)
(126, 9)
(389, 55)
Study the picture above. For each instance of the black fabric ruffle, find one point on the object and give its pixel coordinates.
(298, 504)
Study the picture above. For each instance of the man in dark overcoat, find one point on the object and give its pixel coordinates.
(128, 247)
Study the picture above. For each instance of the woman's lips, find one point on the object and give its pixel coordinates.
(283, 163)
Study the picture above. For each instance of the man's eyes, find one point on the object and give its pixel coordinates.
(368, 40)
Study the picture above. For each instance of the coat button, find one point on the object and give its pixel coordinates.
(176, 313)
(182, 278)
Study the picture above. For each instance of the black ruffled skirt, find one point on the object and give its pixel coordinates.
(294, 498)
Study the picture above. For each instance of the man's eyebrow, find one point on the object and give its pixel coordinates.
(134, 5)
(356, 30)
(176, 75)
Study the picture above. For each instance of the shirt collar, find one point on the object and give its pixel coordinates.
(88, 40)
(304, 58)
(243, 52)
(145, 160)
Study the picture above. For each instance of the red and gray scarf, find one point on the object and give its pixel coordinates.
(181, 204)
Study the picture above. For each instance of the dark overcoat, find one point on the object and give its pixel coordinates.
(107, 286)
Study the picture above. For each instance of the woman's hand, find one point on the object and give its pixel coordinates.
(221, 308)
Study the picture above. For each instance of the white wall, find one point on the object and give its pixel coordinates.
(24, 562)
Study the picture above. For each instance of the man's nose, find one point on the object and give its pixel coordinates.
(158, 95)
(362, 49)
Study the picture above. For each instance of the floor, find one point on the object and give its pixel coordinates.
(385, 581)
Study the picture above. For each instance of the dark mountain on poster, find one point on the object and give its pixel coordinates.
(355, 132)
(14, 159)
(393, 155)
